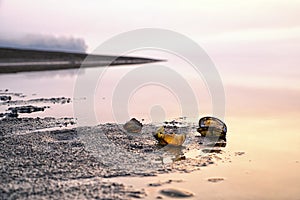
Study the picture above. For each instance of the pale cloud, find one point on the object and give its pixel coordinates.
(43, 42)
(258, 34)
(96, 21)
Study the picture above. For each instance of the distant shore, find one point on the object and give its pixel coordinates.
(14, 60)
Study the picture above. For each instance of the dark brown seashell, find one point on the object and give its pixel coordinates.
(212, 127)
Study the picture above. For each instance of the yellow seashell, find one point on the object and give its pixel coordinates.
(166, 138)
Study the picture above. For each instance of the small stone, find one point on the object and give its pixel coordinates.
(178, 193)
(159, 183)
(239, 153)
(212, 150)
(133, 126)
(26, 109)
(155, 184)
(215, 180)
(12, 115)
(179, 158)
(5, 98)
(136, 146)
(136, 196)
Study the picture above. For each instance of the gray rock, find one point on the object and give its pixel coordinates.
(133, 126)
(26, 109)
(5, 98)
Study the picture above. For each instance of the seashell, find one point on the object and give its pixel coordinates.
(167, 138)
(212, 127)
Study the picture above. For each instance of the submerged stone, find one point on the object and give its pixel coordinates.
(26, 109)
(219, 143)
(169, 138)
(211, 150)
(133, 126)
(5, 98)
(215, 180)
(178, 193)
(212, 127)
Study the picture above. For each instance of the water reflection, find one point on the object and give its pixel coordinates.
(207, 142)
(172, 153)
(68, 73)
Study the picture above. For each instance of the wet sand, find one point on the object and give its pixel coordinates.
(50, 157)
(63, 163)
(41, 164)
(45, 155)
(253, 165)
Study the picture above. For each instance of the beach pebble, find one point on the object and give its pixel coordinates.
(178, 193)
(212, 150)
(157, 184)
(26, 109)
(133, 126)
(239, 153)
(215, 180)
(5, 98)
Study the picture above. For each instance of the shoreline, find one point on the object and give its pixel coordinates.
(23, 60)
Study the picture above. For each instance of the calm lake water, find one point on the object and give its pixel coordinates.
(263, 122)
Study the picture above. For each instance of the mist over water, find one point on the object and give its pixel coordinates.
(43, 42)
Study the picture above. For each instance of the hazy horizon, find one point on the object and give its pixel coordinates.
(253, 42)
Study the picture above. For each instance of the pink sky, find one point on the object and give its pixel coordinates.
(255, 45)
(206, 22)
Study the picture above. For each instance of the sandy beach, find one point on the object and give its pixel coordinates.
(45, 158)
(149, 100)
(45, 154)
